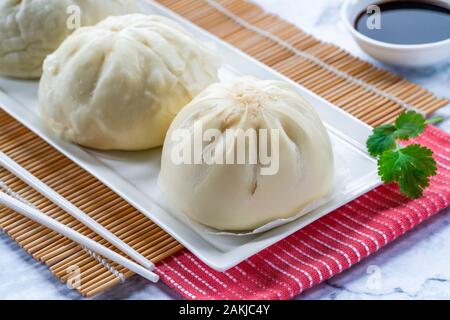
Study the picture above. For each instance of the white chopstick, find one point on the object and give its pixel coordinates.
(67, 206)
(41, 218)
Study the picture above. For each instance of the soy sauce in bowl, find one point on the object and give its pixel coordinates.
(408, 22)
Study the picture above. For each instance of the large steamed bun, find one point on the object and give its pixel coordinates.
(118, 85)
(238, 197)
(32, 29)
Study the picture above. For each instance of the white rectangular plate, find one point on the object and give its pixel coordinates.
(133, 175)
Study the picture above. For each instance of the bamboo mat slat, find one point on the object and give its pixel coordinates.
(373, 95)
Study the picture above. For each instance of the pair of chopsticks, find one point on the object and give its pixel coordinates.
(143, 267)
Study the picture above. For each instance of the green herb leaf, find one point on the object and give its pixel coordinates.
(409, 125)
(411, 167)
(381, 140)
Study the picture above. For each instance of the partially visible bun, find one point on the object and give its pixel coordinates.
(32, 29)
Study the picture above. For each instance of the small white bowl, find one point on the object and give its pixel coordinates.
(414, 55)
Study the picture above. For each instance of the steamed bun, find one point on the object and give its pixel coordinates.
(118, 85)
(32, 29)
(240, 196)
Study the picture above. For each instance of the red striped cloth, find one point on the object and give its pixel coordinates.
(322, 249)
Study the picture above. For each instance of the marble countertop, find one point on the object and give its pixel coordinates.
(416, 266)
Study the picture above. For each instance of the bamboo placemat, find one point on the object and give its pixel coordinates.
(373, 95)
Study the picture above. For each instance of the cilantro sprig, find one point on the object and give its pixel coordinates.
(411, 166)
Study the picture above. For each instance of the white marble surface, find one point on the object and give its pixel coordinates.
(416, 266)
